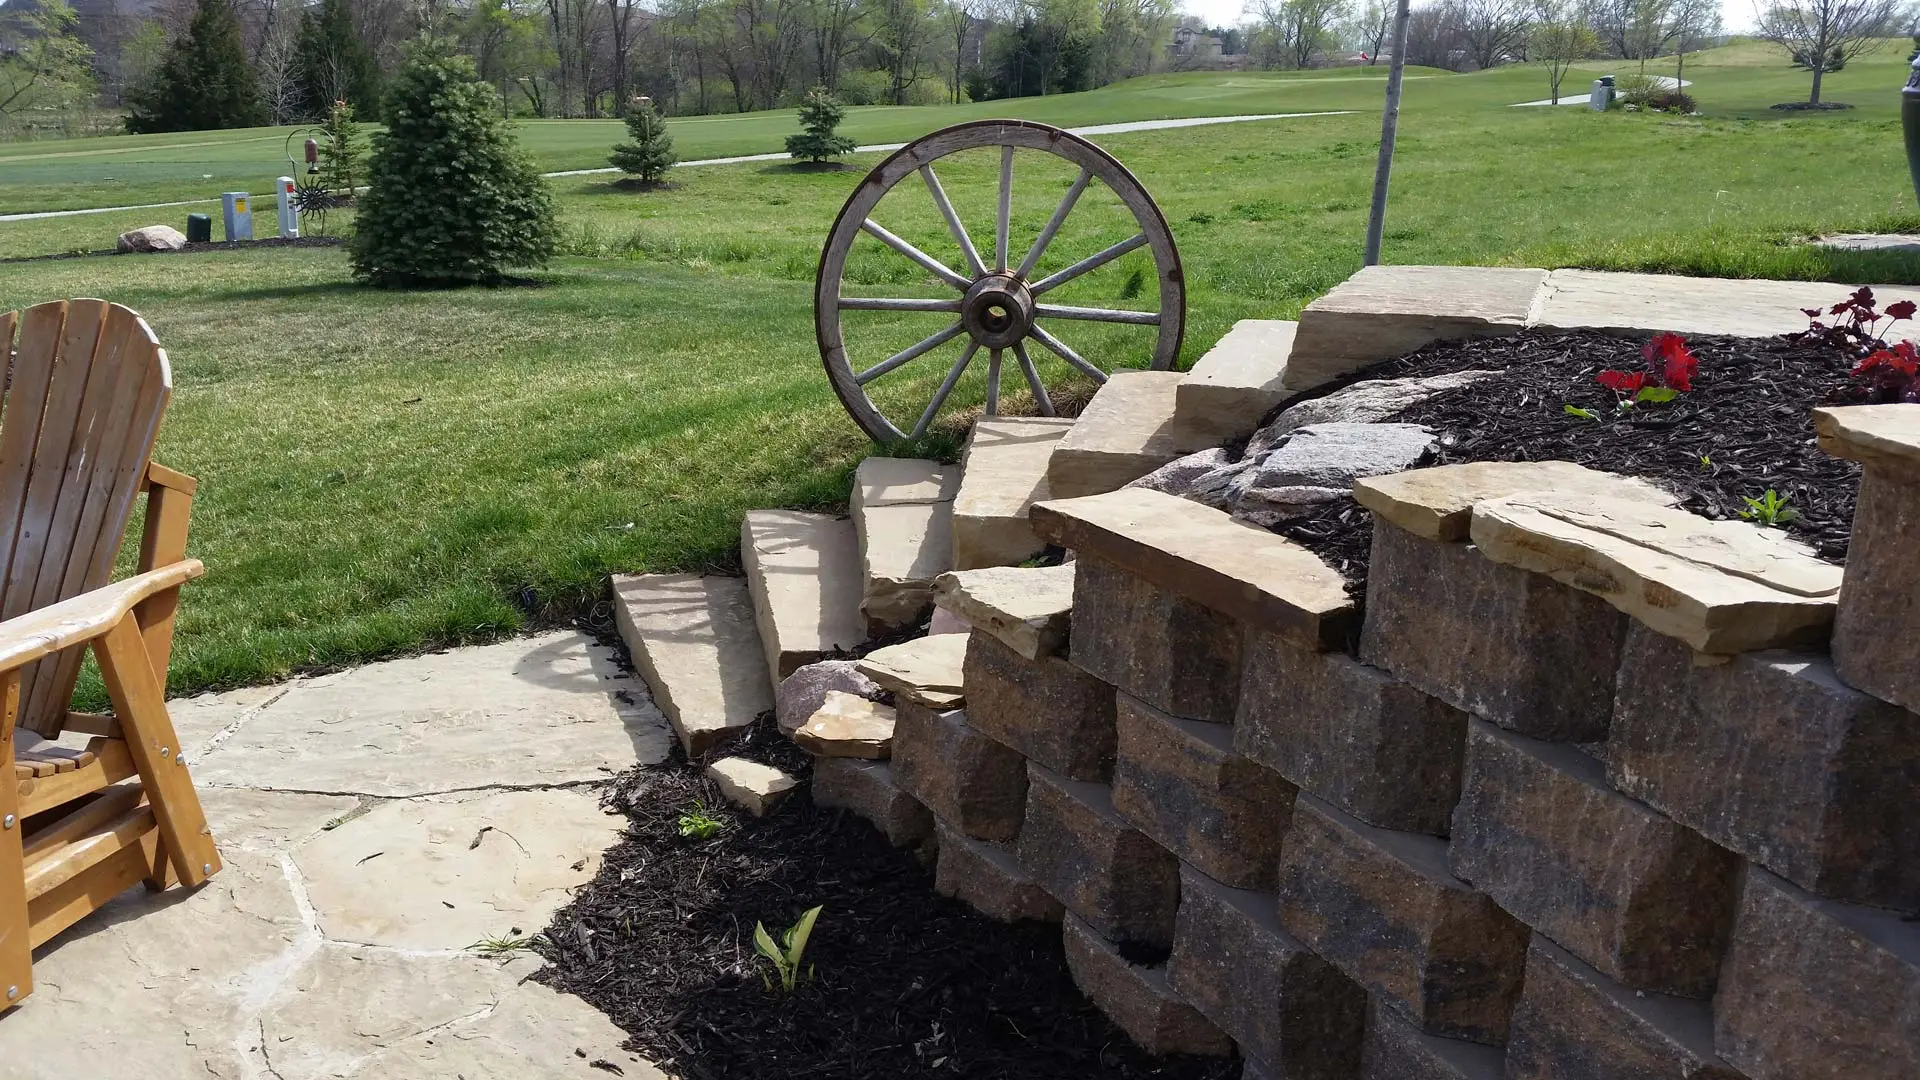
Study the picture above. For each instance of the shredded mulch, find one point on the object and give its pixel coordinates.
(905, 983)
(1745, 428)
(215, 245)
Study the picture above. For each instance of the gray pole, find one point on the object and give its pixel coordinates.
(1389, 124)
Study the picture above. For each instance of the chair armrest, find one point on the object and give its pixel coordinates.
(29, 637)
(159, 475)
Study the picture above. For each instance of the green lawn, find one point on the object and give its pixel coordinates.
(381, 471)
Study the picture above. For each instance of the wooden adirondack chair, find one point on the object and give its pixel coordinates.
(85, 390)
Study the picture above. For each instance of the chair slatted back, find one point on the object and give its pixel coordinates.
(86, 386)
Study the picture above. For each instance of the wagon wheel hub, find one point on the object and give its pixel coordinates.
(997, 311)
(1002, 313)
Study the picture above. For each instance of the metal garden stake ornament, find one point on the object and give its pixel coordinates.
(1000, 307)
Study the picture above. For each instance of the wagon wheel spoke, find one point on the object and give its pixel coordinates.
(958, 230)
(1039, 388)
(1059, 217)
(910, 353)
(1002, 220)
(993, 383)
(1090, 314)
(946, 387)
(1091, 262)
(934, 266)
(1061, 350)
(897, 303)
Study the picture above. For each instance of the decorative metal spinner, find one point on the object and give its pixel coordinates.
(1000, 306)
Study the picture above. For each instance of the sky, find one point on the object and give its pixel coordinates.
(1735, 15)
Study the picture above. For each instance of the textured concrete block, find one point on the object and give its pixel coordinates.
(1624, 888)
(1574, 1023)
(867, 789)
(1814, 988)
(1874, 628)
(1290, 1010)
(1513, 647)
(987, 878)
(1136, 998)
(967, 780)
(1396, 1050)
(1351, 734)
(1180, 782)
(1078, 848)
(1774, 757)
(1049, 710)
(1383, 908)
(1122, 625)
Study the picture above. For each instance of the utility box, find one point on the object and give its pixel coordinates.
(1601, 98)
(239, 215)
(289, 219)
(199, 228)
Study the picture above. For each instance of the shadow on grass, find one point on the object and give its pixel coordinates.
(788, 168)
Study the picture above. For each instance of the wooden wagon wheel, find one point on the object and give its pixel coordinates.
(999, 307)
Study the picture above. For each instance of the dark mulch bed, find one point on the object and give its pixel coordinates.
(215, 245)
(1746, 426)
(907, 983)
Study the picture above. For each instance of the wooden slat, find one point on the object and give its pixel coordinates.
(85, 617)
(170, 478)
(111, 764)
(92, 816)
(131, 421)
(16, 926)
(142, 708)
(86, 893)
(87, 723)
(66, 392)
(28, 380)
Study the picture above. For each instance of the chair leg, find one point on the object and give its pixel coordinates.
(155, 748)
(16, 944)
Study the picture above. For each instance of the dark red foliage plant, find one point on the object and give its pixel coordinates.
(1886, 374)
(1671, 368)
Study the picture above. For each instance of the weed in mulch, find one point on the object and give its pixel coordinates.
(1746, 427)
(905, 983)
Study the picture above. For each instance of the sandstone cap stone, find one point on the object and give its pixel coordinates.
(756, 788)
(1437, 503)
(903, 514)
(694, 640)
(848, 726)
(1644, 304)
(1029, 608)
(1386, 311)
(1871, 433)
(1003, 471)
(1127, 431)
(803, 570)
(926, 671)
(1237, 569)
(1719, 586)
(1233, 387)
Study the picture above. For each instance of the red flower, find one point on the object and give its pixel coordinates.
(1677, 363)
(1902, 309)
(1622, 381)
(1900, 359)
(1812, 312)
(1862, 297)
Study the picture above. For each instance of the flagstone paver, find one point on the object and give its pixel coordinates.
(375, 824)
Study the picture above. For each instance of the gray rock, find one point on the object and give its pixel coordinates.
(1206, 477)
(1365, 402)
(152, 238)
(1319, 463)
(802, 693)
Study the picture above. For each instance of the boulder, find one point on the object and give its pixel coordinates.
(1365, 402)
(802, 693)
(1293, 471)
(152, 238)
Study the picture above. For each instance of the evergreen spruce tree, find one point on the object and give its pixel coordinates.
(343, 152)
(334, 64)
(650, 154)
(205, 81)
(820, 114)
(451, 198)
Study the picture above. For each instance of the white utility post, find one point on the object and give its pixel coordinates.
(289, 220)
(1389, 124)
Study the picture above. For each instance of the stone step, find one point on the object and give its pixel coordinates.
(1029, 608)
(1003, 471)
(903, 515)
(694, 641)
(1238, 381)
(1127, 431)
(803, 570)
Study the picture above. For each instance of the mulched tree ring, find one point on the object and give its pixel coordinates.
(906, 983)
(1746, 427)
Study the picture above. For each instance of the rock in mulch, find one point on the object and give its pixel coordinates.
(152, 238)
(1294, 471)
(1363, 403)
(758, 789)
(802, 693)
(848, 726)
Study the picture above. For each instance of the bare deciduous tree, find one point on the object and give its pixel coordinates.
(1560, 36)
(1492, 31)
(1291, 33)
(1824, 34)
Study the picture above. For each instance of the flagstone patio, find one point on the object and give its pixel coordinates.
(376, 824)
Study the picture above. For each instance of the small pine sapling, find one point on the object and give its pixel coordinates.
(820, 115)
(343, 154)
(650, 153)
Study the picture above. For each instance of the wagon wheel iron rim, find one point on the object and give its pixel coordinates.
(999, 307)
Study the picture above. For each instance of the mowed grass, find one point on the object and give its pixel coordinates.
(384, 471)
